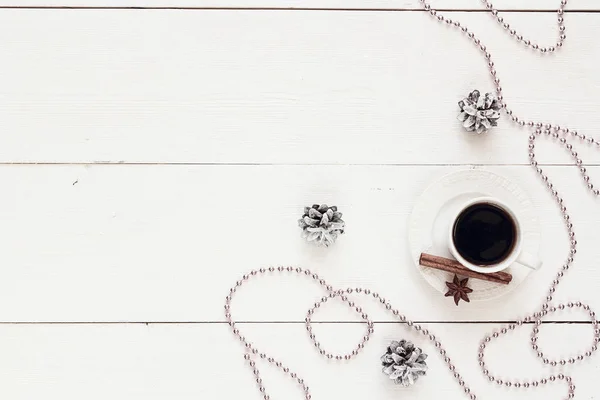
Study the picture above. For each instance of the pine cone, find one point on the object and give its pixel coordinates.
(479, 113)
(321, 224)
(403, 362)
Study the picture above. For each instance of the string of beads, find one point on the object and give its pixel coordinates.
(538, 129)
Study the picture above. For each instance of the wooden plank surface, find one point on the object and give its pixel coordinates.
(153, 151)
(543, 5)
(277, 87)
(165, 243)
(204, 362)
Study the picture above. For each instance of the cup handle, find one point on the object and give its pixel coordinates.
(529, 260)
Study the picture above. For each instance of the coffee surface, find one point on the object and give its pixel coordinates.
(484, 234)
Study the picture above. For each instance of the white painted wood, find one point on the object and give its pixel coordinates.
(307, 87)
(134, 243)
(302, 4)
(165, 243)
(188, 362)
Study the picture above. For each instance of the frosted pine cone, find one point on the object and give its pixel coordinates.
(403, 362)
(321, 224)
(479, 113)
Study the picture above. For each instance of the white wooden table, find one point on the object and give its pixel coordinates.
(152, 151)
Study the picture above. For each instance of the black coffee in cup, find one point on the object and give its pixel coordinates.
(484, 234)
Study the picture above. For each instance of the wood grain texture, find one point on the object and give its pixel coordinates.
(278, 87)
(188, 362)
(165, 243)
(545, 5)
(163, 152)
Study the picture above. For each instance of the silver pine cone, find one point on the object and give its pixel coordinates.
(479, 113)
(403, 362)
(321, 224)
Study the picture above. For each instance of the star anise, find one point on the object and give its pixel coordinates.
(458, 289)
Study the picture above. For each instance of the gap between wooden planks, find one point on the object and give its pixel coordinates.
(344, 5)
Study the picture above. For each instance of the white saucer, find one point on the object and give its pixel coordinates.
(429, 225)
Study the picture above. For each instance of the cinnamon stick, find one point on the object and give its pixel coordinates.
(453, 266)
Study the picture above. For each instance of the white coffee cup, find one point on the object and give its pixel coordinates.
(517, 254)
